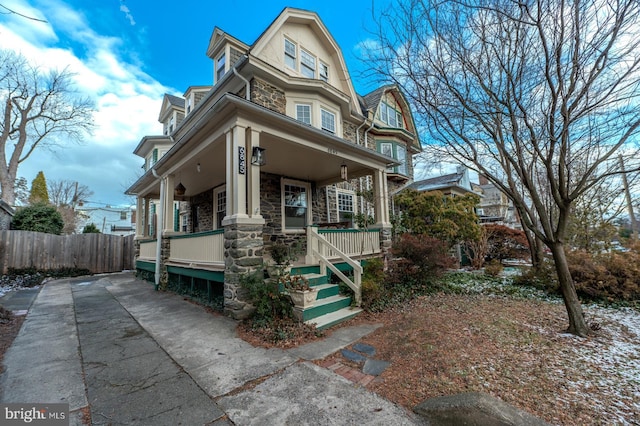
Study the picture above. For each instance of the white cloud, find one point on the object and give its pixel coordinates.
(127, 99)
(127, 13)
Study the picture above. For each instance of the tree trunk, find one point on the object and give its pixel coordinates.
(535, 248)
(577, 323)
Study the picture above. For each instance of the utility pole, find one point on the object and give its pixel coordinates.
(632, 216)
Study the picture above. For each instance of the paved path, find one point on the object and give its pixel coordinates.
(113, 347)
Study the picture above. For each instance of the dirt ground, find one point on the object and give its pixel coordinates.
(8, 331)
(513, 349)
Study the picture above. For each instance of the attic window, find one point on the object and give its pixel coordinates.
(290, 54)
(324, 72)
(220, 64)
(390, 116)
(307, 64)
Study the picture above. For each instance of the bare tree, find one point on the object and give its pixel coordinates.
(68, 193)
(37, 109)
(540, 96)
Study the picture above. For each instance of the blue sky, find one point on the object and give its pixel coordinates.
(126, 54)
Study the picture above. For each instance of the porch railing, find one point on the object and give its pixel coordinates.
(352, 242)
(321, 249)
(148, 249)
(204, 248)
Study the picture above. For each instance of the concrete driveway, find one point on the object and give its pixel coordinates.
(119, 352)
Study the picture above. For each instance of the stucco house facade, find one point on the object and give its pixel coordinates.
(279, 148)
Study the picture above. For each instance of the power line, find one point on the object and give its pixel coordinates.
(20, 14)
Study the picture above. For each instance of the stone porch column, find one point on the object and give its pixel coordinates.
(243, 224)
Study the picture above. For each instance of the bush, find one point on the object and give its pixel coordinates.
(418, 259)
(372, 282)
(607, 276)
(90, 228)
(544, 278)
(493, 268)
(270, 304)
(38, 218)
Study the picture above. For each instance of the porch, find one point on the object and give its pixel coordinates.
(198, 260)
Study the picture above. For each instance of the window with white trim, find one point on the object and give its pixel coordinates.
(324, 72)
(220, 205)
(346, 207)
(307, 64)
(398, 152)
(328, 120)
(390, 116)
(303, 113)
(295, 205)
(220, 64)
(290, 54)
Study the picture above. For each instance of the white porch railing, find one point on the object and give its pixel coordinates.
(202, 248)
(148, 249)
(320, 249)
(352, 242)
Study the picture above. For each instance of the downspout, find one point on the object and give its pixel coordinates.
(326, 193)
(160, 225)
(247, 90)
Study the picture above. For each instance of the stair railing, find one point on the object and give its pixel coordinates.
(317, 247)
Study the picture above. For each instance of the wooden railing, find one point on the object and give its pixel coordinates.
(203, 248)
(148, 249)
(352, 242)
(320, 249)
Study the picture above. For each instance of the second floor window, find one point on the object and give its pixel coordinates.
(390, 116)
(220, 64)
(303, 113)
(398, 152)
(328, 120)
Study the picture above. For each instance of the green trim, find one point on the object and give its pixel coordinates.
(345, 231)
(197, 234)
(217, 276)
(152, 240)
(145, 266)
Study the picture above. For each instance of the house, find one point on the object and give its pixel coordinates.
(279, 148)
(495, 207)
(453, 184)
(108, 220)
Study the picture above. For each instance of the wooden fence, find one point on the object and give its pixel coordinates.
(99, 253)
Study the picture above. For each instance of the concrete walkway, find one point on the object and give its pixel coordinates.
(114, 348)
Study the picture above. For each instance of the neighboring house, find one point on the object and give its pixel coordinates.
(454, 184)
(108, 220)
(495, 206)
(6, 214)
(279, 148)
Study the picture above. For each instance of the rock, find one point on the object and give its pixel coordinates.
(374, 367)
(365, 349)
(474, 409)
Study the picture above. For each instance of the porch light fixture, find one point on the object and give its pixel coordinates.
(198, 167)
(180, 189)
(258, 156)
(343, 171)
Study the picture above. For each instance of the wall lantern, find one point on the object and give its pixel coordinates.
(343, 171)
(180, 189)
(258, 156)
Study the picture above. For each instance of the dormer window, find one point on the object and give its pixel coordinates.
(290, 56)
(220, 65)
(307, 64)
(171, 124)
(188, 104)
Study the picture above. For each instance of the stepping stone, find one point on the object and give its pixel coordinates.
(353, 356)
(374, 367)
(365, 349)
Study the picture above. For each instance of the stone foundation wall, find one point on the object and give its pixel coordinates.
(243, 249)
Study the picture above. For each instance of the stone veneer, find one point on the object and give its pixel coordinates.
(203, 204)
(243, 248)
(267, 95)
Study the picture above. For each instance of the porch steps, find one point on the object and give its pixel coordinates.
(333, 318)
(330, 307)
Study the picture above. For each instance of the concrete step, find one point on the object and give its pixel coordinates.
(330, 319)
(326, 306)
(327, 290)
